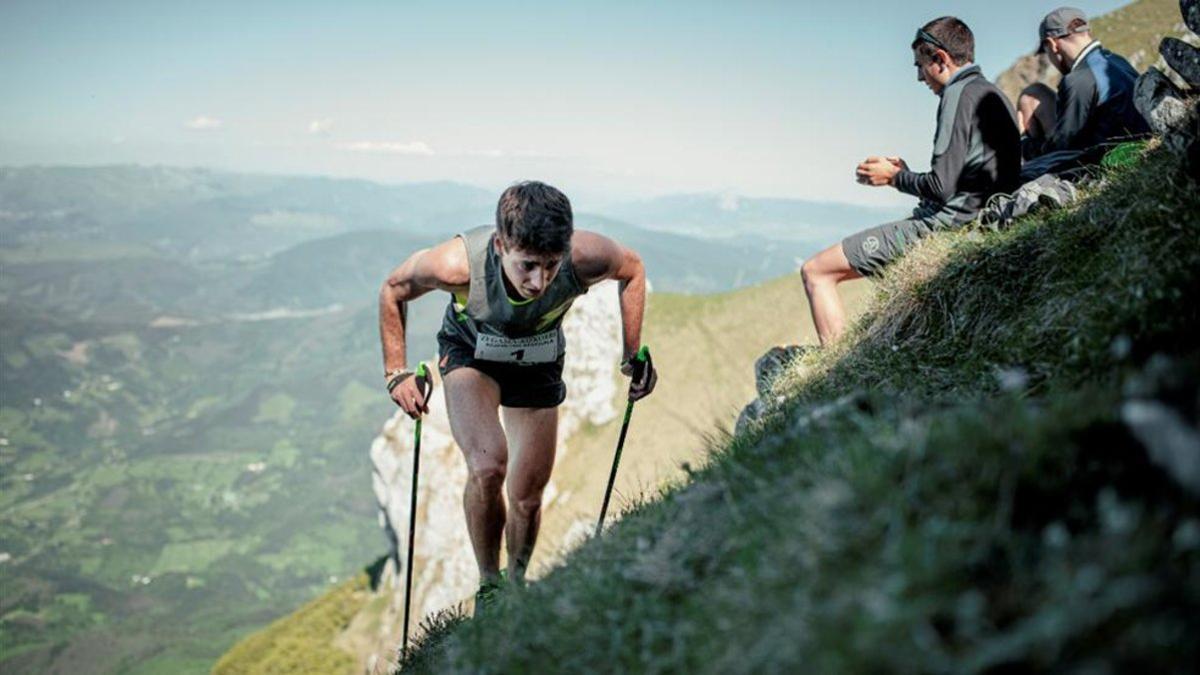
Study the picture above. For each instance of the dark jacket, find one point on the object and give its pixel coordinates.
(1095, 102)
(976, 149)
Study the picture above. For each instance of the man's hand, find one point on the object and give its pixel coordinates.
(643, 376)
(411, 393)
(877, 171)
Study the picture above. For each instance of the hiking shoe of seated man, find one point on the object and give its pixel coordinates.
(774, 362)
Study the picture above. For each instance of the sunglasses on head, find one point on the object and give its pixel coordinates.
(924, 36)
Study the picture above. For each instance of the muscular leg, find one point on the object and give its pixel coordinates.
(472, 400)
(822, 273)
(534, 434)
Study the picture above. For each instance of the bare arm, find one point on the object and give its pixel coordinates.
(1026, 108)
(443, 267)
(597, 258)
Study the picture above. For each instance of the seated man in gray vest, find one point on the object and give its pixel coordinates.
(976, 153)
(501, 352)
(1095, 98)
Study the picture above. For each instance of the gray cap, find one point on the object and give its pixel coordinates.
(1057, 24)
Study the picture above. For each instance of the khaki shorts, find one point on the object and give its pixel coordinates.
(872, 249)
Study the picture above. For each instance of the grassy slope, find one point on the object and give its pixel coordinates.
(1138, 27)
(704, 347)
(302, 641)
(934, 521)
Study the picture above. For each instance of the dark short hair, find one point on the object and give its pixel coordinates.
(535, 217)
(954, 37)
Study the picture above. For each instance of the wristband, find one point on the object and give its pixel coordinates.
(397, 376)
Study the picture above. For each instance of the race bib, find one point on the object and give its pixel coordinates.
(540, 348)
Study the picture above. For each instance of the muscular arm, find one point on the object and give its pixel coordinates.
(443, 267)
(597, 258)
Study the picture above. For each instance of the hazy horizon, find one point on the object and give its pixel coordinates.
(593, 204)
(610, 101)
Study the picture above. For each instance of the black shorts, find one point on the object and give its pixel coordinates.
(538, 385)
(872, 249)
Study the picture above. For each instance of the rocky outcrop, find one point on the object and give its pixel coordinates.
(1183, 58)
(1170, 111)
(444, 570)
(1164, 107)
(1028, 69)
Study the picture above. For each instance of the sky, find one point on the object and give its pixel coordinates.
(607, 100)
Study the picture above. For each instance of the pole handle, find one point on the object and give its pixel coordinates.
(424, 382)
(639, 365)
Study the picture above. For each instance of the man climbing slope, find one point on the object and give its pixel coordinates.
(501, 350)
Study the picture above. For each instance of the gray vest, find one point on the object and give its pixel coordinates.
(487, 307)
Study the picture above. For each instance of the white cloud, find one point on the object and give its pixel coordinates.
(535, 154)
(414, 148)
(493, 153)
(320, 127)
(203, 123)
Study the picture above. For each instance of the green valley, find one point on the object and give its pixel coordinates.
(189, 384)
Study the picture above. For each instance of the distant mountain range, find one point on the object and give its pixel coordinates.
(211, 241)
(727, 215)
(202, 215)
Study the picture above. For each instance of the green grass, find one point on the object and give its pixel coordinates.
(180, 543)
(950, 490)
(302, 642)
(1138, 27)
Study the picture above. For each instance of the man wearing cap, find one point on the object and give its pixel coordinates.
(976, 153)
(1095, 98)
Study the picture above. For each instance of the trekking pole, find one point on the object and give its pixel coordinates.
(643, 356)
(423, 382)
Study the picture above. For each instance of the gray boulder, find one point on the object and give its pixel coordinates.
(1168, 115)
(1183, 59)
(1190, 9)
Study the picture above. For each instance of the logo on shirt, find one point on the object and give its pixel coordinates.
(870, 245)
